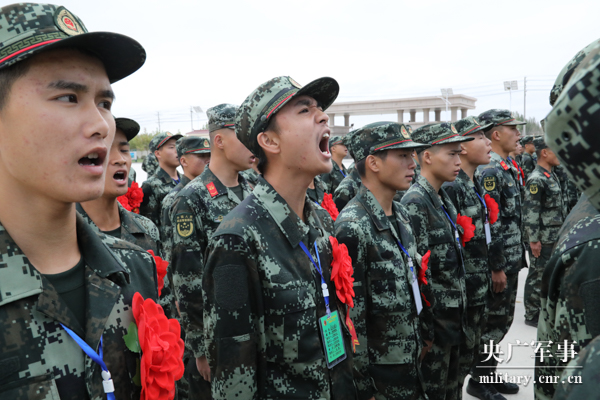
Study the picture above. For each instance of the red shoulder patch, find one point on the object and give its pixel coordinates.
(212, 190)
(504, 165)
(547, 174)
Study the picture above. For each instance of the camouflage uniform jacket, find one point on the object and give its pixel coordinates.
(544, 210)
(263, 302)
(38, 358)
(135, 228)
(444, 320)
(528, 164)
(384, 314)
(197, 212)
(499, 180)
(251, 176)
(580, 380)
(150, 165)
(569, 301)
(463, 193)
(166, 229)
(334, 177)
(347, 189)
(155, 189)
(318, 192)
(570, 191)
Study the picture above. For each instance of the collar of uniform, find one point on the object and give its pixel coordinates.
(373, 208)
(209, 177)
(184, 180)
(435, 197)
(496, 157)
(290, 224)
(163, 176)
(542, 169)
(129, 222)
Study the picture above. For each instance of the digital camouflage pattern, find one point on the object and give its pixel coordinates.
(28, 28)
(443, 322)
(193, 145)
(528, 163)
(38, 359)
(318, 192)
(498, 117)
(570, 191)
(573, 124)
(333, 178)
(150, 165)
(159, 140)
(135, 228)
(437, 134)
(347, 189)
(263, 301)
(195, 215)
(569, 298)
(384, 314)
(221, 117)
(544, 212)
(469, 126)
(155, 189)
(580, 379)
(251, 176)
(253, 116)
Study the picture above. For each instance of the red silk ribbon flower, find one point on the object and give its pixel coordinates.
(133, 198)
(492, 207)
(162, 349)
(161, 271)
(124, 202)
(422, 278)
(329, 206)
(341, 272)
(468, 228)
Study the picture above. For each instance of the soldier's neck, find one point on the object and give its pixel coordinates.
(224, 170)
(542, 163)
(104, 211)
(289, 185)
(383, 194)
(338, 159)
(496, 148)
(43, 228)
(435, 182)
(171, 171)
(468, 168)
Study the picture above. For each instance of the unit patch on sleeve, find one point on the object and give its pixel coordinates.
(489, 183)
(185, 224)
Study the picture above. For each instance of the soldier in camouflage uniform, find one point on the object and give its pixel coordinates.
(316, 190)
(544, 212)
(104, 213)
(373, 227)
(433, 219)
(251, 174)
(265, 297)
(196, 213)
(150, 164)
(580, 378)
(468, 198)
(569, 190)
(164, 180)
(56, 271)
(338, 150)
(570, 281)
(528, 158)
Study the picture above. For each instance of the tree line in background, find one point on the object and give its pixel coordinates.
(533, 127)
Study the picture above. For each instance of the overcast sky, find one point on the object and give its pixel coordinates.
(203, 53)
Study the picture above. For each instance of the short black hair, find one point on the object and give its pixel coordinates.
(8, 76)
(262, 158)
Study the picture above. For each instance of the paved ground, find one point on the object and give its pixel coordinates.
(521, 356)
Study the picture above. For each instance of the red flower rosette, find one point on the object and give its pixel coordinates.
(124, 202)
(341, 272)
(424, 265)
(136, 196)
(161, 271)
(162, 349)
(468, 228)
(492, 207)
(330, 206)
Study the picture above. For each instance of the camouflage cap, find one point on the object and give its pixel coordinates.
(192, 145)
(526, 140)
(221, 116)
(573, 126)
(539, 143)
(28, 28)
(159, 140)
(567, 71)
(337, 139)
(436, 134)
(347, 141)
(129, 127)
(470, 125)
(380, 136)
(255, 112)
(498, 117)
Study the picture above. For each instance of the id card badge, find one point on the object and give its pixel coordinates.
(488, 233)
(415, 288)
(333, 341)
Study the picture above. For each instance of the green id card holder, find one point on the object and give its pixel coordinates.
(333, 340)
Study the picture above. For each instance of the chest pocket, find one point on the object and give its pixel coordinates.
(32, 388)
(551, 205)
(389, 286)
(291, 331)
(510, 198)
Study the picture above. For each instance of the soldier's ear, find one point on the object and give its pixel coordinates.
(372, 164)
(269, 142)
(427, 157)
(218, 141)
(157, 154)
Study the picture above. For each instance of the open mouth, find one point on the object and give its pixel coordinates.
(120, 176)
(93, 159)
(324, 144)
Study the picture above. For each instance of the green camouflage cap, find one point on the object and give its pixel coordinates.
(567, 71)
(381, 136)
(129, 127)
(159, 140)
(28, 28)
(436, 134)
(347, 141)
(255, 112)
(573, 126)
(221, 116)
(337, 139)
(539, 143)
(498, 117)
(526, 140)
(470, 125)
(192, 145)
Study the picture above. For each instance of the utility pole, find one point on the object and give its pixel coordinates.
(525, 105)
(158, 114)
(192, 118)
